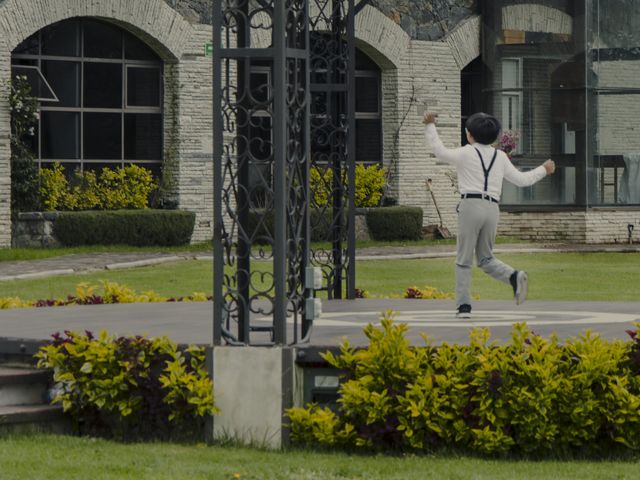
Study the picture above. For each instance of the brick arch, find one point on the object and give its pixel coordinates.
(151, 20)
(382, 39)
(464, 41)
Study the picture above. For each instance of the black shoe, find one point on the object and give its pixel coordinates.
(464, 311)
(520, 284)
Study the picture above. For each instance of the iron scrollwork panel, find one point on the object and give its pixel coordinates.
(332, 161)
(260, 69)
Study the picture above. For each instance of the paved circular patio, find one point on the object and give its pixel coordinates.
(192, 322)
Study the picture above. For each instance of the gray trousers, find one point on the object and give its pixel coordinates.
(477, 226)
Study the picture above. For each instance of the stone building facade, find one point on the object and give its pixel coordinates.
(421, 49)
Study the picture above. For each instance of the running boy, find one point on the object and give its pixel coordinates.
(481, 169)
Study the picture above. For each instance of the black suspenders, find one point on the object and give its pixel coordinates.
(486, 170)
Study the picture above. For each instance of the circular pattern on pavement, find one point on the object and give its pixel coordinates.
(484, 318)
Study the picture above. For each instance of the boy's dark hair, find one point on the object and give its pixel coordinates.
(484, 128)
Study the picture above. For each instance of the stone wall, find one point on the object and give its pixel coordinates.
(33, 230)
(593, 227)
(420, 19)
(427, 19)
(195, 78)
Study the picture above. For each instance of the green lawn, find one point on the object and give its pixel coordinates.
(553, 276)
(13, 254)
(49, 457)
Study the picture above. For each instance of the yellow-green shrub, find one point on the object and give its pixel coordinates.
(370, 182)
(125, 188)
(128, 386)
(54, 187)
(529, 395)
(113, 189)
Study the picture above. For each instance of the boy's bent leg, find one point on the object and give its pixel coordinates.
(484, 248)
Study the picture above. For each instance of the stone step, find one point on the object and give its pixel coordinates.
(33, 418)
(23, 386)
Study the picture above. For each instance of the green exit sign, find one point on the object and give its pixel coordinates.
(208, 50)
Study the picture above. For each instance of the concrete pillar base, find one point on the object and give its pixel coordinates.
(253, 386)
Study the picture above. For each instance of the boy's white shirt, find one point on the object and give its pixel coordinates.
(469, 168)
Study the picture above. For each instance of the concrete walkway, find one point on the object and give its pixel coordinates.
(84, 263)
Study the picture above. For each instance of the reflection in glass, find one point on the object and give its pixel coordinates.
(615, 103)
(534, 83)
(566, 75)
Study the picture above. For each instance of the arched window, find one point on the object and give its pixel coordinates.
(108, 86)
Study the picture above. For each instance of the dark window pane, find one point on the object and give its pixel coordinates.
(136, 49)
(364, 62)
(102, 136)
(368, 141)
(367, 92)
(30, 46)
(142, 136)
(64, 78)
(60, 135)
(143, 87)
(31, 62)
(102, 85)
(62, 39)
(102, 40)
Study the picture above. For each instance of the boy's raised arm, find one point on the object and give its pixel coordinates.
(452, 156)
(526, 179)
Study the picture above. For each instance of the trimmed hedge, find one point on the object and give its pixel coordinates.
(125, 227)
(395, 223)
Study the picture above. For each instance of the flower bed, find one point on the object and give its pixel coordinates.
(111, 292)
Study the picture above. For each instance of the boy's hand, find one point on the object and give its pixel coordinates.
(549, 166)
(429, 117)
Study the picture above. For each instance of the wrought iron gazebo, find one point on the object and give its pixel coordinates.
(283, 74)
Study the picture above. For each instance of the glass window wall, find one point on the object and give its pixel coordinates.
(564, 77)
